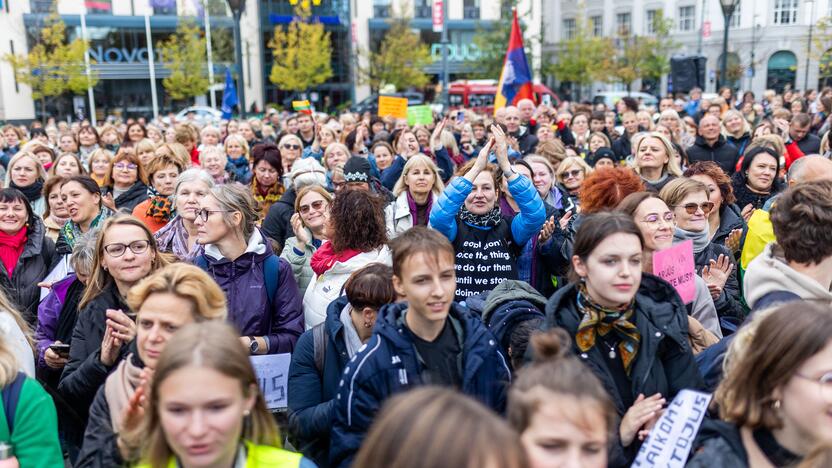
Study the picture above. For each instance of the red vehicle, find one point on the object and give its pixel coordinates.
(478, 95)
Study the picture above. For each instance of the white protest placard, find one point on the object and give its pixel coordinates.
(671, 439)
(273, 376)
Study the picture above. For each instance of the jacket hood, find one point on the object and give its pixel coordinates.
(333, 315)
(511, 290)
(769, 272)
(256, 246)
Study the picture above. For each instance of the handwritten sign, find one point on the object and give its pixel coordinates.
(419, 115)
(273, 377)
(671, 439)
(392, 106)
(675, 265)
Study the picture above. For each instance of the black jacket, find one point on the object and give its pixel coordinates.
(810, 144)
(129, 199)
(278, 222)
(622, 147)
(85, 373)
(728, 304)
(730, 218)
(745, 196)
(35, 262)
(664, 363)
(312, 394)
(100, 448)
(722, 153)
(526, 140)
(718, 444)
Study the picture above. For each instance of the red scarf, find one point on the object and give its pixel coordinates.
(11, 246)
(195, 157)
(324, 258)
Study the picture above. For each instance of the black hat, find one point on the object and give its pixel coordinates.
(357, 169)
(601, 153)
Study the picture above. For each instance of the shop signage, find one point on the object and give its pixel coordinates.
(120, 55)
(456, 52)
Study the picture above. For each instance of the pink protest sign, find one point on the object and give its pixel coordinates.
(675, 265)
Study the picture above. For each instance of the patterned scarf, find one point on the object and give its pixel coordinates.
(72, 231)
(598, 320)
(266, 199)
(488, 220)
(161, 208)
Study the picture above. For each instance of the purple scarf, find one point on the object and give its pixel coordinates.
(173, 238)
(414, 211)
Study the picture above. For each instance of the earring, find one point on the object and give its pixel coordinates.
(247, 413)
(776, 404)
(367, 325)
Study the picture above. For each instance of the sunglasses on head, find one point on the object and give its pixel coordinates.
(691, 208)
(315, 205)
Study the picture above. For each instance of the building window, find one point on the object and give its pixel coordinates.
(381, 8)
(423, 9)
(735, 18)
(650, 21)
(687, 18)
(597, 25)
(623, 23)
(785, 11)
(471, 9)
(568, 29)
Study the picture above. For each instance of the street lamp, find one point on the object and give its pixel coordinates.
(237, 8)
(809, 46)
(728, 7)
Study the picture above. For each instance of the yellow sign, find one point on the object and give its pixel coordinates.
(392, 106)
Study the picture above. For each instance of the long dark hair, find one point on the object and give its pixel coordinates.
(748, 160)
(597, 227)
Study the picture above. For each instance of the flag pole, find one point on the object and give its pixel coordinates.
(210, 56)
(152, 65)
(90, 94)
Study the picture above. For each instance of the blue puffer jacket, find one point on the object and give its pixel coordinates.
(239, 169)
(244, 284)
(387, 364)
(524, 225)
(312, 395)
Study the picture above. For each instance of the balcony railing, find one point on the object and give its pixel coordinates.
(471, 12)
(423, 12)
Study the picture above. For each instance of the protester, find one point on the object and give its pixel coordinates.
(467, 213)
(267, 183)
(125, 185)
(570, 176)
(655, 161)
(164, 302)
(84, 204)
(773, 403)
(309, 224)
(429, 340)
(162, 173)
(213, 160)
(25, 173)
(758, 178)
(179, 235)
(736, 130)
(66, 165)
(263, 299)
(99, 164)
(725, 219)
(237, 152)
(278, 222)
(56, 214)
(201, 365)
(416, 190)
(711, 145)
(559, 407)
(629, 327)
(357, 236)
(26, 254)
(545, 181)
(323, 352)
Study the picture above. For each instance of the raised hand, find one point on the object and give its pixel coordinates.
(747, 211)
(436, 136)
(643, 411)
(547, 230)
(716, 274)
(301, 234)
(732, 242)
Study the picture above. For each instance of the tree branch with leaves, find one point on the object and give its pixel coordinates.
(302, 53)
(183, 54)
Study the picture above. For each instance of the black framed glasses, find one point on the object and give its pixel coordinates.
(691, 208)
(291, 147)
(204, 213)
(117, 249)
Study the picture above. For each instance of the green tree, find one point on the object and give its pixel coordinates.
(400, 61)
(821, 47)
(644, 56)
(302, 54)
(53, 67)
(183, 54)
(583, 58)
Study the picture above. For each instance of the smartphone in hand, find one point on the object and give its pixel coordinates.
(61, 349)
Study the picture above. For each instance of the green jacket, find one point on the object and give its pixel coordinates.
(35, 437)
(301, 266)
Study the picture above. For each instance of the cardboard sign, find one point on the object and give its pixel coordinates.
(675, 265)
(392, 106)
(419, 115)
(671, 439)
(273, 377)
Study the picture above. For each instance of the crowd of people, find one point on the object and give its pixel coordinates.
(476, 292)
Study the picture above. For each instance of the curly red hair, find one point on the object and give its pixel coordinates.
(604, 189)
(722, 181)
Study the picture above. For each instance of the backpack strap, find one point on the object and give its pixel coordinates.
(11, 395)
(319, 343)
(271, 274)
(201, 262)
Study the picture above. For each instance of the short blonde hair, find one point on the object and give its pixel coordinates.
(569, 162)
(678, 189)
(186, 282)
(413, 161)
(240, 141)
(746, 127)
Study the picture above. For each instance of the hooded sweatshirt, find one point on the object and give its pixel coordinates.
(770, 273)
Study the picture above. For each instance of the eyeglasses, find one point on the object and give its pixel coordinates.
(653, 220)
(291, 147)
(825, 382)
(692, 207)
(117, 249)
(315, 205)
(122, 166)
(571, 174)
(204, 213)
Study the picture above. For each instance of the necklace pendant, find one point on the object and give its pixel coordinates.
(612, 354)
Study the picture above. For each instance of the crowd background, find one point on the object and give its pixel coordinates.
(506, 257)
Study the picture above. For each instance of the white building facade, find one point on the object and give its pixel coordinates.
(767, 42)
